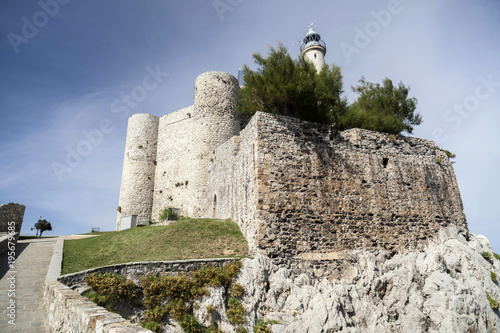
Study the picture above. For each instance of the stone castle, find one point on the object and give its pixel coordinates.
(296, 189)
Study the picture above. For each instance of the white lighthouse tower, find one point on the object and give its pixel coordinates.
(313, 49)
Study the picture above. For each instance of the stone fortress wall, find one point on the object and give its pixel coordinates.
(296, 189)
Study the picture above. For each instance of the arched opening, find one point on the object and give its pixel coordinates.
(215, 207)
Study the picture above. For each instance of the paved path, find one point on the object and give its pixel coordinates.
(31, 266)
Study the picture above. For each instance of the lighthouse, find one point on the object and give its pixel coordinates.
(313, 49)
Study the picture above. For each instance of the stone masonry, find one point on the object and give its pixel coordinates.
(11, 212)
(298, 190)
(321, 192)
(167, 159)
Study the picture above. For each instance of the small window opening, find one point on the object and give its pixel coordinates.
(315, 55)
(215, 206)
(385, 161)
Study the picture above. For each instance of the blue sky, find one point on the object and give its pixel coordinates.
(72, 71)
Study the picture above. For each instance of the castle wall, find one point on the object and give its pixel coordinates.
(232, 181)
(320, 192)
(137, 187)
(174, 163)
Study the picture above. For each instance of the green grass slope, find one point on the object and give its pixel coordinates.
(184, 239)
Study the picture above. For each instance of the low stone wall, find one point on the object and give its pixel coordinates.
(4, 241)
(135, 270)
(68, 311)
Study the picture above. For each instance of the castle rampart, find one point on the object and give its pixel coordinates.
(321, 192)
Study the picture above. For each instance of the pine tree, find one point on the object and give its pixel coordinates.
(382, 108)
(293, 88)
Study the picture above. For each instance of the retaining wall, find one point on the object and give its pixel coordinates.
(70, 312)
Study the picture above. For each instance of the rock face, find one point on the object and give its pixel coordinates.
(441, 288)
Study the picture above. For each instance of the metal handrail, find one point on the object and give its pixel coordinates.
(320, 43)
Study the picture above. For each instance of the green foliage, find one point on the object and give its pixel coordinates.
(235, 312)
(262, 326)
(486, 255)
(241, 329)
(212, 329)
(493, 302)
(493, 276)
(237, 290)
(189, 324)
(450, 154)
(382, 108)
(497, 256)
(152, 326)
(43, 225)
(293, 88)
(169, 213)
(175, 295)
(214, 276)
(108, 289)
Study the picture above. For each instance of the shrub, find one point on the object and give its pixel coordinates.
(108, 289)
(241, 329)
(169, 213)
(237, 290)
(175, 295)
(486, 255)
(261, 326)
(235, 312)
(493, 302)
(152, 325)
(493, 276)
(497, 256)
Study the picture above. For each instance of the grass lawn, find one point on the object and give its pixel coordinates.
(184, 239)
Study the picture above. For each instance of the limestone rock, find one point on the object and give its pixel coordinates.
(441, 288)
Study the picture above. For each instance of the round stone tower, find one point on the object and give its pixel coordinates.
(137, 188)
(313, 49)
(216, 120)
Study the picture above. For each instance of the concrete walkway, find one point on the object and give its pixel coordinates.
(29, 274)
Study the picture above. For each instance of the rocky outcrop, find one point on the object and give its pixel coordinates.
(442, 288)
